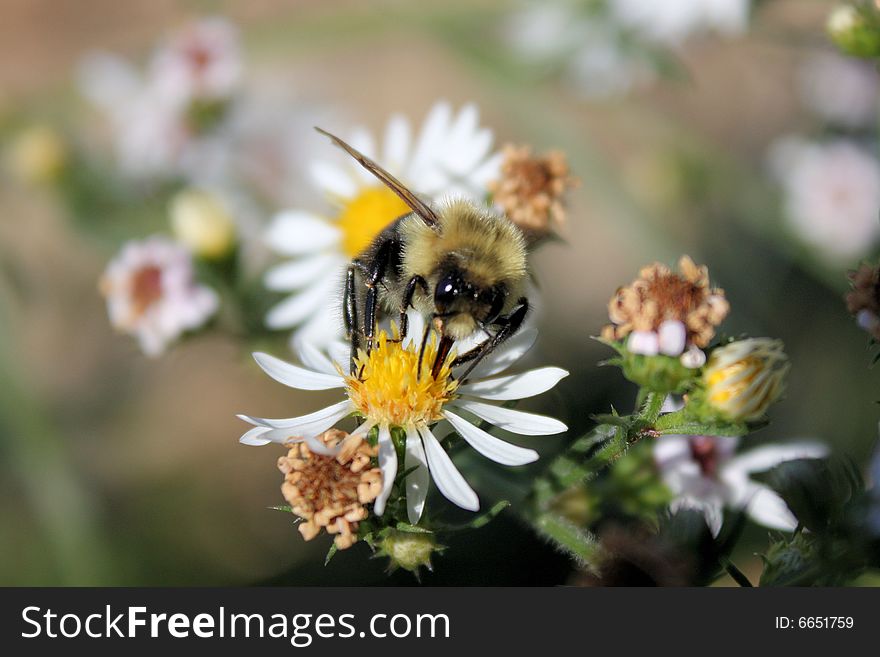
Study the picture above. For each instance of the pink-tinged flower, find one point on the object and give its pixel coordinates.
(832, 195)
(160, 118)
(841, 90)
(152, 293)
(201, 61)
(706, 474)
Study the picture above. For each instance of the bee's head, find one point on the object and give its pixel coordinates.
(463, 305)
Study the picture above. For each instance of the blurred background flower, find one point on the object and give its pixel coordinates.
(106, 455)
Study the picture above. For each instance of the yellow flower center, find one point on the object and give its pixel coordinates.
(364, 216)
(390, 389)
(729, 382)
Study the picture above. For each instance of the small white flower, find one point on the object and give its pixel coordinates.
(452, 155)
(672, 21)
(832, 195)
(151, 114)
(705, 474)
(201, 61)
(390, 391)
(152, 294)
(840, 89)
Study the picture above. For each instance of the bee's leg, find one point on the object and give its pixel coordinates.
(349, 304)
(406, 302)
(507, 325)
(375, 274)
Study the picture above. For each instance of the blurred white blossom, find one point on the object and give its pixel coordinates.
(152, 293)
(832, 195)
(704, 473)
(672, 21)
(158, 117)
(840, 90)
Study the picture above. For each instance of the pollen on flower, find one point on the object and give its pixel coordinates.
(661, 299)
(330, 491)
(531, 189)
(364, 216)
(391, 389)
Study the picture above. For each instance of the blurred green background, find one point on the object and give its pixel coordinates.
(123, 471)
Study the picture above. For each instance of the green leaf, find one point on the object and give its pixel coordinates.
(331, 553)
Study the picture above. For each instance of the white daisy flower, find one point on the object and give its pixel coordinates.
(705, 474)
(452, 155)
(153, 114)
(392, 391)
(832, 192)
(152, 293)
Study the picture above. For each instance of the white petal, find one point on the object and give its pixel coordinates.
(300, 306)
(416, 481)
(332, 180)
(298, 273)
(397, 142)
(488, 445)
(297, 377)
(507, 354)
(671, 335)
(313, 358)
(388, 465)
(255, 437)
(295, 232)
(432, 137)
(768, 509)
(446, 476)
(416, 328)
(340, 353)
(768, 456)
(516, 386)
(310, 425)
(526, 424)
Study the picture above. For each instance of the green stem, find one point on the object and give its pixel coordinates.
(651, 407)
(575, 541)
(736, 573)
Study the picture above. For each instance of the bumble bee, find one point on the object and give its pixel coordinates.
(459, 263)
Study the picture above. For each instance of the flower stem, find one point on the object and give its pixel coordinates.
(572, 539)
(736, 573)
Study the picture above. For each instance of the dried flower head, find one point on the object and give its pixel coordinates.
(863, 301)
(531, 188)
(667, 312)
(330, 490)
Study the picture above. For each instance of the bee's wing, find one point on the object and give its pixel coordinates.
(417, 205)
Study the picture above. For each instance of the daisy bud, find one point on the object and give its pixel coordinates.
(38, 154)
(742, 379)
(201, 222)
(855, 30)
(409, 551)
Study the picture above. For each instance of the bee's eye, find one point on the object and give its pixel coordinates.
(448, 289)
